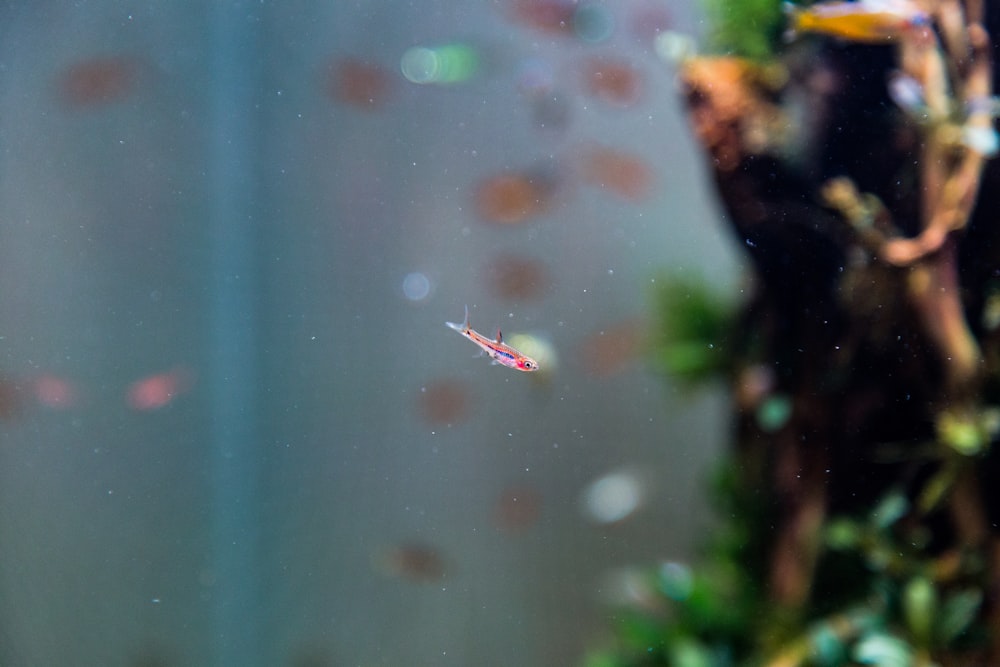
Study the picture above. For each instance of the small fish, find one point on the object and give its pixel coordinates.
(866, 21)
(495, 349)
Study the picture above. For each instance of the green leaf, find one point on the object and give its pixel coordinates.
(883, 650)
(843, 534)
(890, 509)
(693, 360)
(690, 653)
(693, 327)
(827, 645)
(749, 28)
(602, 660)
(936, 489)
(640, 632)
(676, 580)
(920, 606)
(962, 431)
(957, 613)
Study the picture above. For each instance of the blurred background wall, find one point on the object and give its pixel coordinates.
(233, 427)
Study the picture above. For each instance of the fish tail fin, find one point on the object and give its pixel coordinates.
(464, 326)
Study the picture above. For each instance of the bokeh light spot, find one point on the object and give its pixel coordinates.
(359, 83)
(157, 391)
(512, 198)
(547, 15)
(444, 401)
(773, 413)
(612, 498)
(754, 384)
(54, 392)
(517, 509)
(419, 65)
(633, 588)
(614, 81)
(620, 173)
(676, 580)
(416, 286)
(98, 81)
(611, 350)
(538, 348)
(673, 47)
(513, 277)
(442, 65)
(411, 561)
(593, 23)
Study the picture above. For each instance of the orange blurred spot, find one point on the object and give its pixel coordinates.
(156, 391)
(513, 198)
(512, 277)
(444, 401)
(610, 351)
(517, 509)
(54, 392)
(753, 385)
(98, 81)
(621, 173)
(548, 15)
(359, 83)
(614, 81)
(412, 561)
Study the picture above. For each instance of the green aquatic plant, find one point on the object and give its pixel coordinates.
(880, 597)
(703, 611)
(857, 523)
(748, 28)
(694, 322)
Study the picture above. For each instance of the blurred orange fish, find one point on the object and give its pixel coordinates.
(616, 82)
(444, 401)
(513, 277)
(513, 198)
(359, 83)
(866, 21)
(413, 561)
(548, 15)
(620, 173)
(98, 81)
(156, 391)
(611, 350)
(54, 392)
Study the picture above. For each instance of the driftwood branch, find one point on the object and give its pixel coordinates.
(853, 175)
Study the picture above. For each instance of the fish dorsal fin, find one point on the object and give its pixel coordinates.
(499, 336)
